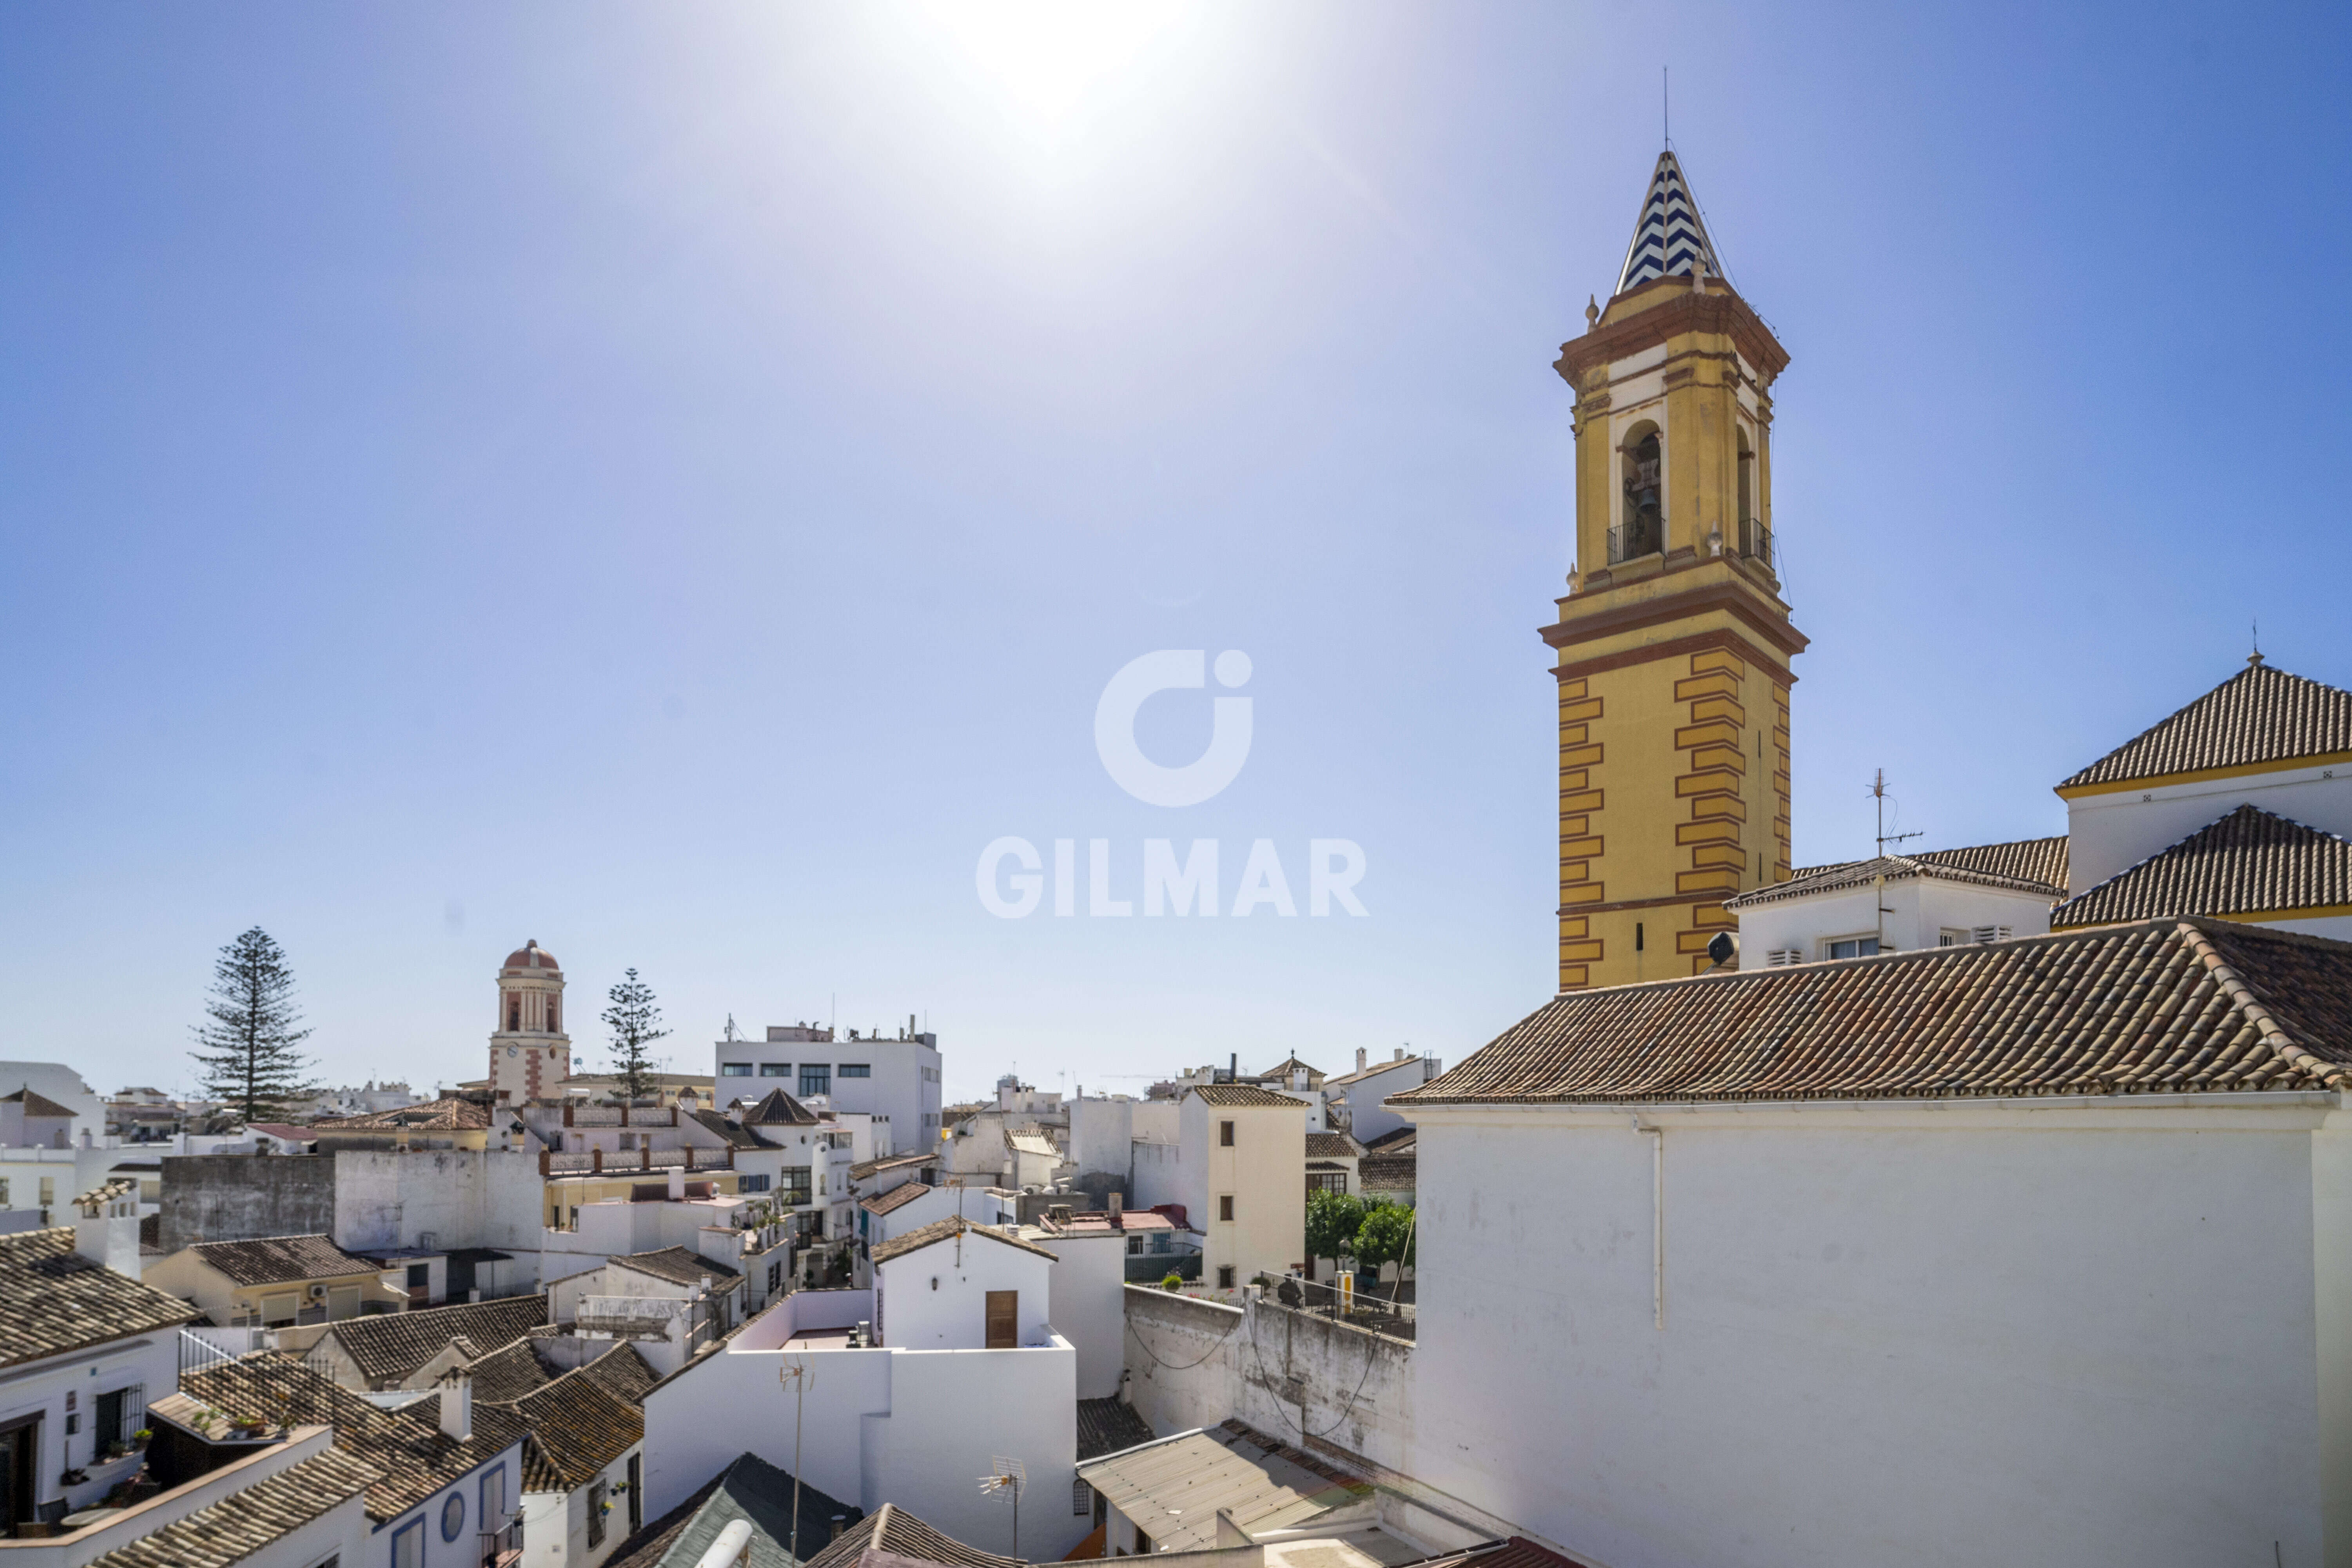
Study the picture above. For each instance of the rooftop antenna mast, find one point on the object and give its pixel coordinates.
(1878, 793)
(1666, 104)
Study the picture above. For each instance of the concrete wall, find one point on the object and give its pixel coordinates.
(238, 1197)
(1087, 1299)
(460, 1197)
(1195, 1362)
(2054, 1331)
(880, 1425)
(934, 1299)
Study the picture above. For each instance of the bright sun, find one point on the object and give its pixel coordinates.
(1049, 55)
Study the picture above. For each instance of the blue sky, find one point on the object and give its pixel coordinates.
(671, 483)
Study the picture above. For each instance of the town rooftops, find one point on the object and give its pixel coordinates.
(1333, 1146)
(39, 1105)
(679, 1267)
(947, 1229)
(1389, 1173)
(507, 1373)
(2035, 866)
(247, 1522)
(622, 1372)
(388, 1346)
(448, 1114)
(890, 1537)
(53, 1300)
(1232, 1095)
(1395, 1141)
(1183, 1482)
(278, 1259)
(750, 1489)
(896, 1198)
(2248, 864)
(2260, 717)
(736, 1134)
(1371, 1071)
(416, 1458)
(777, 1109)
(1282, 1071)
(2202, 1005)
(859, 1172)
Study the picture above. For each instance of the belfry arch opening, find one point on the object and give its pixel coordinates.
(1642, 521)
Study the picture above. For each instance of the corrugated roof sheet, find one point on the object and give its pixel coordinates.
(2258, 715)
(2247, 862)
(2198, 1005)
(1178, 1484)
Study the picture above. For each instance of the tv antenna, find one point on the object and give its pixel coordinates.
(731, 1035)
(1006, 1478)
(796, 1374)
(1878, 793)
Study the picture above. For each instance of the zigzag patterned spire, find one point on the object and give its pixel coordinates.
(1670, 238)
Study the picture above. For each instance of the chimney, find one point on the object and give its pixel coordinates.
(1361, 1055)
(457, 1404)
(1115, 1204)
(106, 1228)
(1399, 1054)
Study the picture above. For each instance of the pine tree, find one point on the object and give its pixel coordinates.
(251, 1063)
(636, 1024)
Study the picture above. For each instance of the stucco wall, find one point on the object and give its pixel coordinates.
(238, 1197)
(2058, 1332)
(460, 1197)
(1264, 1172)
(2110, 833)
(1085, 1298)
(1196, 1364)
(934, 1299)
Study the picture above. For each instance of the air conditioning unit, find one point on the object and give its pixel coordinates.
(1988, 933)
(318, 1292)
(1780, 957)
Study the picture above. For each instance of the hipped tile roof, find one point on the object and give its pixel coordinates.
(1333, 1146)
(891, 1531)
(276, 1259)
(1108, 1425)
(622, 1372)
(1388, 1172)
(2258, 715)
(896, 1198)
(53, 1300)
(39, 1105)
(777, 1109)
(1243, 1094)
(407, 1444)
(2167, 1005)
(389, 1346)
(736, 1134)
(2247, 862)
(247, 1523)
(577, 1427)
(507, 1374)
(2026, 865)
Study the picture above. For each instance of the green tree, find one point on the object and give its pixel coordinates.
(1385, 1236)
(249, 1058)
(1331, 1221)
(636, 1024)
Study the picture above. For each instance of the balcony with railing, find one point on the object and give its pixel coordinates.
(1756, 541)
(1644, 536)
(502, 1546)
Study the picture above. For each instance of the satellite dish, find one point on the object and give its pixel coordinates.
(1724, 948)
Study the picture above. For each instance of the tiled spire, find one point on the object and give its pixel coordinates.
(1670, 238)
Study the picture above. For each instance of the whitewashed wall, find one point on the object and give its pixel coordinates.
(2055, 1332)
(935, 1298)
(2110, 833)
(1085, 1298)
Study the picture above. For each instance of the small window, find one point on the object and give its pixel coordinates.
(1225, 1206)
(1225, 1134)
(453, 1516)
(735, 1069)
(775, 1069)
(1225, 1276)
(1948, 937)
(598, 1506)
(1082, 1499)
(408, 1545)
(855, 1069)
(1849, 947)
(816, 1078)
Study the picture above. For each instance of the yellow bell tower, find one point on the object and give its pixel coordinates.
(1674, 644)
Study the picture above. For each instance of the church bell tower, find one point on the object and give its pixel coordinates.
(1672, 643)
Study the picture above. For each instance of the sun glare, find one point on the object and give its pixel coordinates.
(1049, 57)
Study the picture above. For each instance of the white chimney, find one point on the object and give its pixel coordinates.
(1398, 1055)
(106, 1227)
(457, 1404)
(1361, 1055)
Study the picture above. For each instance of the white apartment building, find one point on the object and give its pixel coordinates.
(1238, 1169)
(1358, 1100)
(897, 1079)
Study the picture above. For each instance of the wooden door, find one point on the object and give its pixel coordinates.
(1004, 1319)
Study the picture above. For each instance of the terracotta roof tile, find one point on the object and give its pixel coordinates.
(1388, 1172)
(247, 1523)
(2247, 862)
(53, 1300)
(896, 1198)
(391, 1346)
(1108, 1425)
(509, 1372)
(1333, 1146)
(1243, 1094)
(446, 1114)
(2258, 715)
(577, 1427)
(892, 1532)
(622, 1372)
(1374, 1070)
(858, 1173)
(2027, 865)
(39, 1105)
(679, 1267)
(777, 1109)
(407, 1446)
(274, 1260)
(944, 1230)
(2201, 1004)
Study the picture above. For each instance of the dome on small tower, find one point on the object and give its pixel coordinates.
(530, 955)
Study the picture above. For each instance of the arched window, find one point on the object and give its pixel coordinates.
(1642, 529)
(552, 1027)
(1755, 538)
(514, 1014)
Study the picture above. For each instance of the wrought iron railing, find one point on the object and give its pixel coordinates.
(503, 1545)
(1756, 541)
(1631, 540)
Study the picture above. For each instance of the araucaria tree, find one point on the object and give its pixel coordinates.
(636, 1024)
(248, 1050)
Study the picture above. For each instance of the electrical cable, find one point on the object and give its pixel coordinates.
(1170, 1366)
(1371, 1350)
